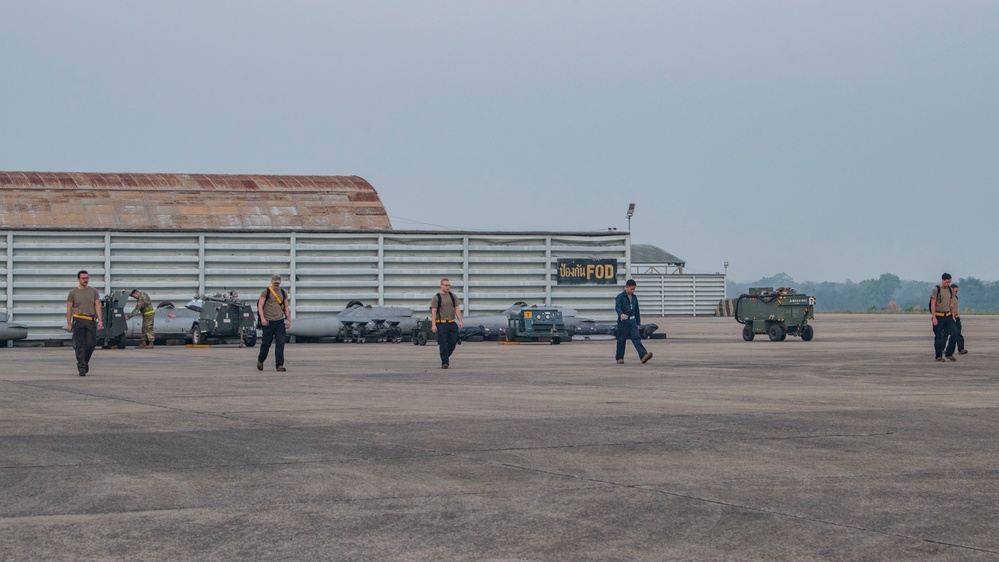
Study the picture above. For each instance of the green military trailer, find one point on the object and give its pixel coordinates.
(537, 325)
(775, 313)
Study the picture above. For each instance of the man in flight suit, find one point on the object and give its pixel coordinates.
(629, 318)
(144, 306)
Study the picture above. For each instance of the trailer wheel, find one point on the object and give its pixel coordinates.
(807, 332)
(250, 339)
(121, 341)
(747, 333)
(775, 332)
(421, 338)
(196, 337)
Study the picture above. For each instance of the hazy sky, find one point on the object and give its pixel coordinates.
(829, 140)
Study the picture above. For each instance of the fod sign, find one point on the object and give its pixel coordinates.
(584, 271)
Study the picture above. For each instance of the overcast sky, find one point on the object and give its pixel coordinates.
(829, 140)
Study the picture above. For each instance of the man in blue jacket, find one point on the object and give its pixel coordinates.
(628, 319)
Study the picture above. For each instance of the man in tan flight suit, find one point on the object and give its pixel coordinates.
(144, 306)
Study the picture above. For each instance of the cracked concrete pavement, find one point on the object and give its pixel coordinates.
(856, 445)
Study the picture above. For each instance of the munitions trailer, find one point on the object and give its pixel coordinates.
(113, 320)
(537, 324)
(776, 313)
(224, 315)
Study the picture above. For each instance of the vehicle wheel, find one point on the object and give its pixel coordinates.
(197, 338)
(807, 332)
(747, 333)
(121, 341)
(556, 340)
(775, 332)
(783, 335)
(250, 340)
(421, 338)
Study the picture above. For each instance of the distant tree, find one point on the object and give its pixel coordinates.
(875, 293)
(912, 294)
(976, 295)
(780, 280)
(979, 295)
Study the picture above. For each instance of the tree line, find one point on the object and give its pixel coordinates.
(886, 292)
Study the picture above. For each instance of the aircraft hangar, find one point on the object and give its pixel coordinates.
(330, 237)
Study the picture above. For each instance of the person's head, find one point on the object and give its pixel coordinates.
(945, 280)
(445, 285)
(276, 280)
(83, 277)
(630, 286)
(955, 287)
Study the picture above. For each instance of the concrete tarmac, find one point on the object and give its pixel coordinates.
(854, 446)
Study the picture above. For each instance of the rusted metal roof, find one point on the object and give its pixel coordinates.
(57, 200)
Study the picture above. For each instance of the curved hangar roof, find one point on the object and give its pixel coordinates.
(52, 200)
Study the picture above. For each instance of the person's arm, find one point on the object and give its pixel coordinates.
(69, 316)
(260, 310)
(136, 310)
(457, 314)
(97, 307)
(287, 312)
(618, 302)
(433, 318)
(933, 307)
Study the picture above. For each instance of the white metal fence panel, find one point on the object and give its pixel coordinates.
(680, 294)
(322, 271)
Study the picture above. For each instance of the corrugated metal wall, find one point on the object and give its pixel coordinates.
(680, 294)
(324, 271)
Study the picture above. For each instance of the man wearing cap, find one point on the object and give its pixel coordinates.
(275, 319)
(629, 318)
(144, 306)
(83, 319)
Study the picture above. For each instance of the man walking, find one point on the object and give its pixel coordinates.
(629, 318)
(942, 307)
(83, 319)
(275, 319)
(445, 313)
(144, 306)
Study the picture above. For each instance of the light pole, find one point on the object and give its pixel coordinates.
(631, 212)
(725, 289)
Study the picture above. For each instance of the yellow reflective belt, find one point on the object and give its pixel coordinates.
(83, 317)
(150, 312)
